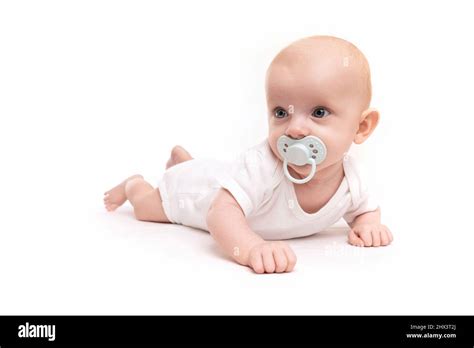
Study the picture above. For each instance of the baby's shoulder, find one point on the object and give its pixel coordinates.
(356, 176)
(260, 159)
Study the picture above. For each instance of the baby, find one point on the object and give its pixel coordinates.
(297, 182)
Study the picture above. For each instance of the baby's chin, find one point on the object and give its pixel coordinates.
(301, 170)
(306, 169)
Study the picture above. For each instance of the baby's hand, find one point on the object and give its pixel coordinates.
(271, 257)
(373, 234)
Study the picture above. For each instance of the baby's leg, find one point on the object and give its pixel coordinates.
(178, 155)
(145, 199)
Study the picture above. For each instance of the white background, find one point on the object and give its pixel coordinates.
(93, 91)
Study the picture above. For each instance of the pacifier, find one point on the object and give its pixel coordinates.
(308, 150)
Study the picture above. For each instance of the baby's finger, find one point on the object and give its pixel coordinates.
(390, 235)
(354, 239)
(375, 237)
(280, 260)
(268, 262)
(366, 236)
(384, 239)
(290, 257)
(256, 263)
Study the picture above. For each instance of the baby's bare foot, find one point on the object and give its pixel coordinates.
(115, 197)
(178, 155)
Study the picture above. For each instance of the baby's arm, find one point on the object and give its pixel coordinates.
(366, 230)
(227, 224)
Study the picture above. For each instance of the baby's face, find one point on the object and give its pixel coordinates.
(319, 93)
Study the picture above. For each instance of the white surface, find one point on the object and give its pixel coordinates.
(93, 91)
(101, 263)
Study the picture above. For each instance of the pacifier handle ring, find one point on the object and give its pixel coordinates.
(304, 180)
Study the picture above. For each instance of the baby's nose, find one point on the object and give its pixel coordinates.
(296, 132)
(297, 127)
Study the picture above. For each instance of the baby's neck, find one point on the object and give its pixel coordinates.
(317, 192)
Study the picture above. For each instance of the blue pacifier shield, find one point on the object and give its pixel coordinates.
(308, 150)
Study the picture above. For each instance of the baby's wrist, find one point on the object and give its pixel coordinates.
(371, 217)
(241, 253)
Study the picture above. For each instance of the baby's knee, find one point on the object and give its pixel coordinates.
(148, 207)
(132, 184)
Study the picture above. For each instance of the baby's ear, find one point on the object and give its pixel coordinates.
(368, 121)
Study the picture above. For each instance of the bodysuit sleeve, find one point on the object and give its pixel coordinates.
(363, 200)
(251, 177)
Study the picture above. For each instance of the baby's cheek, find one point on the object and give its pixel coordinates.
(336, 146)
(272, 141)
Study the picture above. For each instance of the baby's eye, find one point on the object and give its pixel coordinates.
(320, 112)
(280, 113)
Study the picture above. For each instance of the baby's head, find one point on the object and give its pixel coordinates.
(320, 86)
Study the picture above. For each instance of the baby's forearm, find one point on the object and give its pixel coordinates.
(227, 224)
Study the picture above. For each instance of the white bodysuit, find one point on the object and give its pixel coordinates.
(266, 196)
